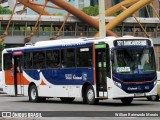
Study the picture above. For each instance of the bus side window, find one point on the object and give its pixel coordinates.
(52, 58)
(39, 60)
(28, 60)
(7, 61)
(84, 57)
(68, 58)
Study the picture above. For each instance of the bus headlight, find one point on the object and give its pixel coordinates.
(118, 84)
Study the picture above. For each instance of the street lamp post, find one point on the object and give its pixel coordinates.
(102, 23)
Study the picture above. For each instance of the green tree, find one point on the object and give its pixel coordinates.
(2, 46)
(5, 11)
(91, 10)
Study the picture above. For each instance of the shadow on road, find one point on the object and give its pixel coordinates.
(114, 103)
(111, 103)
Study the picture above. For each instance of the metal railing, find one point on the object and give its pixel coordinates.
(75, 33)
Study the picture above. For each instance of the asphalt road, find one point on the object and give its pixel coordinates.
(78, 109)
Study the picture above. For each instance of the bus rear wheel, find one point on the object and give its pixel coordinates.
(66, 99)
(126, 101)
(33, 95)
(90, 96)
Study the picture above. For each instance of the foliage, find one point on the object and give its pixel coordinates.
(91, 10)
(5, 11)
(115, 14)
(2, 45)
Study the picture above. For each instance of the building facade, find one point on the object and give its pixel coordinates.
(78, 4)
(9, 4)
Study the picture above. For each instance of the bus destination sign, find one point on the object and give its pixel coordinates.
(131, 43)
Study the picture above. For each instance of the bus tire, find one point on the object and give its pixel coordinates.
(84, 99)
(67, 99)
(33, 94)
(90, 96)
(41, 99)
(153, 98)
(126, 101)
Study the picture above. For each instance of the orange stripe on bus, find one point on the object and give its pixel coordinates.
(25, 81)
(43, 83)
(9, 78)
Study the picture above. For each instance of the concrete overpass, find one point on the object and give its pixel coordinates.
(48, 26)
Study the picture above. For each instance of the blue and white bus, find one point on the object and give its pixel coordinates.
(92, 69)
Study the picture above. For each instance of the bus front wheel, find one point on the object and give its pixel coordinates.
(90, 96)
(126, 101)
(153, 98)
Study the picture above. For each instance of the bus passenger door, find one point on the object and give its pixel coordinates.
(101, 74)
(18, 81)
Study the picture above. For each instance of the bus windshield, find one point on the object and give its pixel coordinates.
(138, 60)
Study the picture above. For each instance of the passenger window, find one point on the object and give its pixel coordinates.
(7, 61)
(28, 60)
(39, 60)
(68, 58)
(84, 57)
(52, 59)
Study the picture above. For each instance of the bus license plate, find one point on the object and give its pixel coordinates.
(138, 94)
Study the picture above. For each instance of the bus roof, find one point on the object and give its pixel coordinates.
(73, 41)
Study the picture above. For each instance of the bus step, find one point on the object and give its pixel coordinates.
(102, 97)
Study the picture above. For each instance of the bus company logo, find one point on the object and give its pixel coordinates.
(77, 77)
(132, 88)
(72, 77)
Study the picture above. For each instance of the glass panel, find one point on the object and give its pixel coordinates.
(134, 61)
(84, 57)
(28, 60)
(52, 59)
(39, 60)
(68, 58)
(7, 61)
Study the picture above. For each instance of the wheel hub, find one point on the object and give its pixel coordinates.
(33, 94)
(90, 95)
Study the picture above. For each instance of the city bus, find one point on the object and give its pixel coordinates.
(89, 68)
